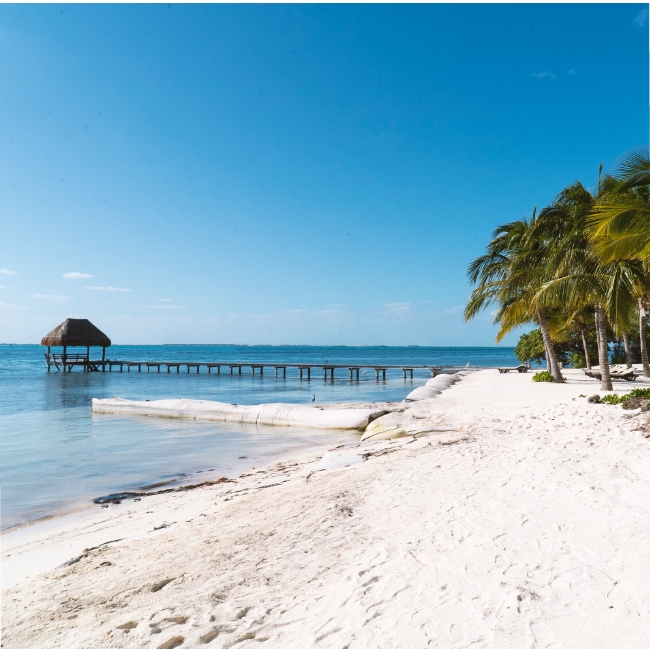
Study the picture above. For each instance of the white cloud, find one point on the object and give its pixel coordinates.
(543, 75)
(50, 296)
(571, 71)
(107, 289)
(4, 286)
(6, 305)
(75, 275)
(165, 300)
(453, 310)
(398, 306)
(165, 306)
(8, 272)
(642, 18)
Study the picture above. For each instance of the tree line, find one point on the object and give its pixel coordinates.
(579, 268)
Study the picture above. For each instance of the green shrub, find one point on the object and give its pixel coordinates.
(577, 360)
(644, 393)
(530, 347)
(543, 375)
(612, 399)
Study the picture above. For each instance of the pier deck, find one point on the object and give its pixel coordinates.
(236, 367)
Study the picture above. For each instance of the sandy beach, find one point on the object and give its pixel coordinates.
(518, 520)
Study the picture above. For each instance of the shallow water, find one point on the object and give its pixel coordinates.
(57, 455)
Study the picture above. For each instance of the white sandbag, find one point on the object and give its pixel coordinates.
(439, 383)
(449, 380)
(423, 392)
(270, 414)
(386, 427)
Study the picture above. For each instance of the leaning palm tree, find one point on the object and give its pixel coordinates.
(509, 276)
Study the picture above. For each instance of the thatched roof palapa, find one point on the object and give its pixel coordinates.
(76, 331)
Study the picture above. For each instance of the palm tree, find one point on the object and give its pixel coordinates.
(509, 276)
(580, 278)
(577, 319)
(619, 226)
(642, 339)
(620, 221)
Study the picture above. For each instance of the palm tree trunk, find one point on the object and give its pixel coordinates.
(583, 331)
(642, 340)
(548, 344)
(628, 354)
(603, 360)
(546, 356)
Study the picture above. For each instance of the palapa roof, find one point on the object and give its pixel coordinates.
(76, 331)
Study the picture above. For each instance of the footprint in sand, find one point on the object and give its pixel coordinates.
(174, 642)
(209, 636)
(542, 634)
(128, 626)
(163, 583)
(456, 633)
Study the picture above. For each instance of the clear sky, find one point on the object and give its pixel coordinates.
(315, 174)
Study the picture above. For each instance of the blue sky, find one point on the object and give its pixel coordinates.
(292, 174)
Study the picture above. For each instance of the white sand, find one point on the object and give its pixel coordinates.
(529, 528)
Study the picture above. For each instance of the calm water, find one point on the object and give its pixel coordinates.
(56, 454)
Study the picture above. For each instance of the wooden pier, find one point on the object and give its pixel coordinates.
(256, 368)
(303, 370)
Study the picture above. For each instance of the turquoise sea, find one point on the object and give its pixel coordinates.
(56, 455)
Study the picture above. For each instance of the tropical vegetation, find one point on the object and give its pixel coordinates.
(579, 269)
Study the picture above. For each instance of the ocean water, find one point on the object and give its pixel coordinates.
(55, 455)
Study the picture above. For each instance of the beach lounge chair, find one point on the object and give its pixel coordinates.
(520, 368)
(615, 372)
